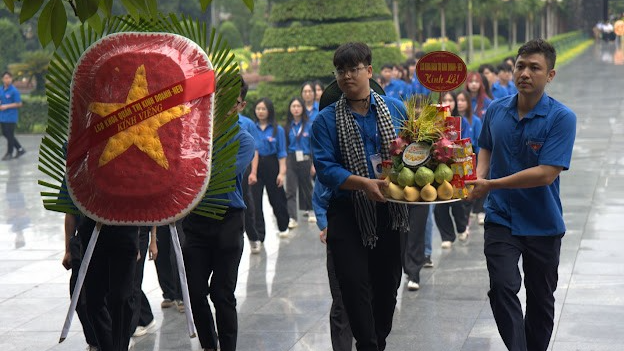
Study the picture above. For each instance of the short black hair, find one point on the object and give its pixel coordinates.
(386, 66)
(540, 46)
(411, 62)
(419, 54)
(505, 67)
(352, 54)
(244, 88)
(487, 66)
(7, 73)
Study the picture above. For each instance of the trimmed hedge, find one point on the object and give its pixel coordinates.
(476, 43)
(329, 35)
(323, 10)
(451, 46)
(33, 115)
(306, 65)
(280, 94)
(231, 34)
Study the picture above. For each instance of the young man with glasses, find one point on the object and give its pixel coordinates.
(363, 229)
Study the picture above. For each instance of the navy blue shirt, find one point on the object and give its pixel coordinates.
(249, 126)
(9, 95)
(499, 91)
(545, 136)
(327, 157)
(267, 144)
(312, 113)
(398, 89)
(418, 88)
(472, 131)
(486, 103)
(244, 156)
(299, 136)
(320, 203)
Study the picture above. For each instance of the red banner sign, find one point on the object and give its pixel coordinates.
(441, 71)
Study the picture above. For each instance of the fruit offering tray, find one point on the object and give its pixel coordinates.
(416, 203)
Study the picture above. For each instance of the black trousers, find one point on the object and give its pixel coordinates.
(142, 314)
(81, 307)
(268, 169)
(540, 261)
(298, 178)
(166, 266)
(460, 211)
(341, 335)
(212, 252)
(250, 212)
(8, 130)
(368, 278)
(413, 242)
(109, 283)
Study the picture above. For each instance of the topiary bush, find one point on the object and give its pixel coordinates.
(476, 43)
(33, 114)
(323, 10)
(328, 35)
(304, 35)
(436, 45)
(231, 34)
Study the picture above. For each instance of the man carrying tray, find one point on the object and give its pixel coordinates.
(526, 142)
(363, 230)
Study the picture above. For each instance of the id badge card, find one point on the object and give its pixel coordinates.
(299, 156)
(376, 163)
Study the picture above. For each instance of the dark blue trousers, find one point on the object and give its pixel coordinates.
(540, 261)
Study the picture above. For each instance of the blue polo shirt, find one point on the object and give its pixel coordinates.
(9, 95)
(248, 125)
(499, 91)
(320, 203)
(472, 131)
(312, 113)
(246, 151)
(545, 136)
(418, 88)
(398, 89)
(299, 136)
(267, 144)
(327, 157)
(486, 103)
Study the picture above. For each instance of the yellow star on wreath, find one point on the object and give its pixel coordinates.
(143, 134)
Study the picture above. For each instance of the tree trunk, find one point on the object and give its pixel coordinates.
(482, 33)
(514, 32)
(470, 54)
(443, 26)
(527, 28)
(495, 31)
(410, 25)
(395, 18)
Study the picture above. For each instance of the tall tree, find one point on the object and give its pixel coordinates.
(53, 13)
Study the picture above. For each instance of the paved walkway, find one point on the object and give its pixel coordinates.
(283, 294)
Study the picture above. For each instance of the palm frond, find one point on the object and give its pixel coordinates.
(59, 78)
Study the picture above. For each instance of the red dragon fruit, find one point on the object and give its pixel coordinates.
(442, 150)
(397, 146)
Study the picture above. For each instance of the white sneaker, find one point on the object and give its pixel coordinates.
(284, 234)
(481, 218)
(131, 344)
(412, 286)
(312, 218)
(292, 223)
(91, 348)
(180, 306)
(256, 247)
(142, 330)
(463, 236)
(446, 244)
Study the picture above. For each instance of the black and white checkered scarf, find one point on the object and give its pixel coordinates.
(354, 157)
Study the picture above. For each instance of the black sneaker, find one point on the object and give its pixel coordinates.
(20, 152)
(7, 157)
(428, 262)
